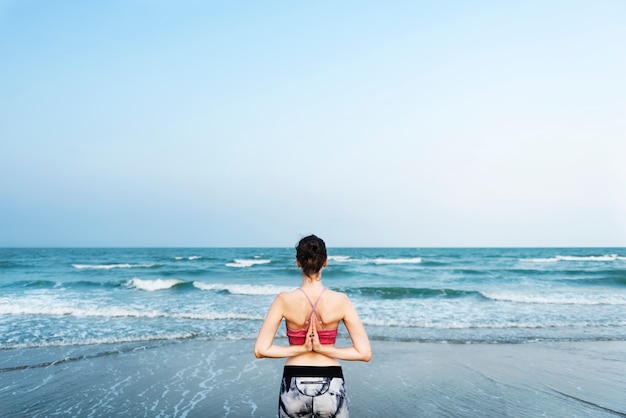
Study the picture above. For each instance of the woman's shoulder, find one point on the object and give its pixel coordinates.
(286, 295)
(336, 295)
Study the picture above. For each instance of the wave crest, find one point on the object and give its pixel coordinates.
(153, 284)
(112, 266)
(243, 263)
(243, 289)
(557, 258)
(557, 299)
(410, 292)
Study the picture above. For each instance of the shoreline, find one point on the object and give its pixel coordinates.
(222, 378)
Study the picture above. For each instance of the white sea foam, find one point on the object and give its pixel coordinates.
(241, 263)
(463, 324)
(51, 307)
(111, 266)
(413, 260)
(193, 257)
(558, 298)
(217, 316)
(379, 260)
(243, 289)
(68, 341)
(556, 259)
(339, 258)
(153, 284)
(46, 306)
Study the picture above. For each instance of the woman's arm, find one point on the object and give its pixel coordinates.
(265, 347)
(360, 349)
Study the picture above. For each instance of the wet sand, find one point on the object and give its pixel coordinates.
(199, 378)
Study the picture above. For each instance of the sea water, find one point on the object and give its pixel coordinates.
(53, 297)
(169, 331)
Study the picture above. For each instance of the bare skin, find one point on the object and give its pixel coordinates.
(333, 308)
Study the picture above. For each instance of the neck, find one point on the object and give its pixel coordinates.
(312, 282)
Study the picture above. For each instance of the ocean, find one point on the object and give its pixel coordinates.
(68, 297)
(170, 331)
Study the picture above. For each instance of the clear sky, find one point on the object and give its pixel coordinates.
(369, 123)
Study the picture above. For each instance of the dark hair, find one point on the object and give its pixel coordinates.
(311, 253)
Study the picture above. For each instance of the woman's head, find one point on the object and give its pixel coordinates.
(311, 255)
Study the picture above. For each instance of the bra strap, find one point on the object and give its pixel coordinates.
(314, 305)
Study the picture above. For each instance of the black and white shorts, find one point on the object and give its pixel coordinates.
(308, 391)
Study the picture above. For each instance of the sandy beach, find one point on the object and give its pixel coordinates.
(199, 378)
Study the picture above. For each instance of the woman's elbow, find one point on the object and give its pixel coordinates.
(364, 354)
(258, 353)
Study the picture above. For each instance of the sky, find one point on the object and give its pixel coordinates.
(247, 123)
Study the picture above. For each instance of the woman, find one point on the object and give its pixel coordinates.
(312, 383)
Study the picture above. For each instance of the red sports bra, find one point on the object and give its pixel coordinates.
(298, 336)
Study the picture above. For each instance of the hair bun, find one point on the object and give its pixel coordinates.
(311, 254)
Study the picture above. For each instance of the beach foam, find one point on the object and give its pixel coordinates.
(241, 263)
(111, 266)
(567, 298)
(556, 259)
(154, 284)
(243, 289)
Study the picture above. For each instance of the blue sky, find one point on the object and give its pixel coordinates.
(240, 123)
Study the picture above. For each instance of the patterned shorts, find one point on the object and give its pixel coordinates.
(307, 392)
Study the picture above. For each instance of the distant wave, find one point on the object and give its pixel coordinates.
(60, 308)
(495, 324)
(159, 339)
(339, 258)
(410, 292)
(159, 284)
(93, 341)
(559, 298)
(599, 278)
(31, 283)
(480, 338)
(243, 289)
(153, 284)
(413, 260)
(241, 263)
(377, 260)
(76, 285)
(374, 292)
(191, 258)
(112, 266)
(556, 259)
(7, 264)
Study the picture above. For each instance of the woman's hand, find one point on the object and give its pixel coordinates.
(312, 341)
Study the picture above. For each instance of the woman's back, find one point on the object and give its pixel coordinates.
(315, 303)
